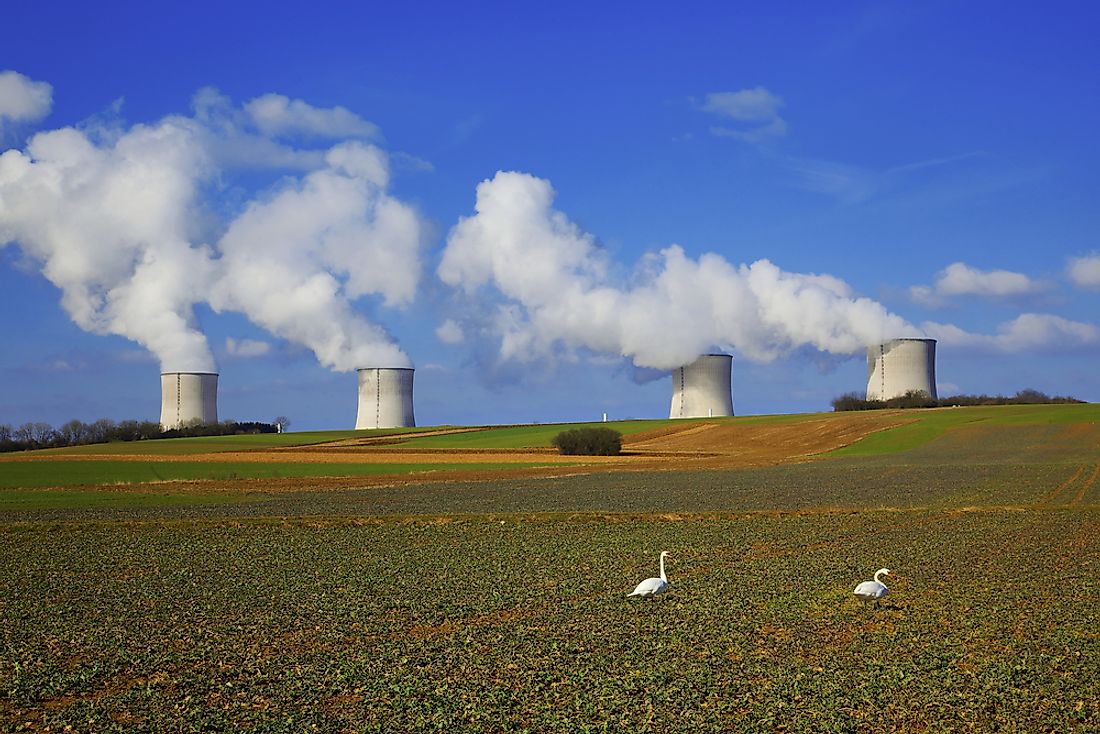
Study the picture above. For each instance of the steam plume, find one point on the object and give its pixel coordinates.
(119, 221)
(293, 262)
(558, 293)
(112, 226)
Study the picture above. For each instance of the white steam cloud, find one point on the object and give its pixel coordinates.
(558, 293)
(112, 226)
(295, 262)
(246, 348)
(126, 223)
(450, 332)
(22, 99)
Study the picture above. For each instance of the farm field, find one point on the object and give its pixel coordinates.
(498, 603)
(348, 459)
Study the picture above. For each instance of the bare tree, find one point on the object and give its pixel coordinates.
(102, 429)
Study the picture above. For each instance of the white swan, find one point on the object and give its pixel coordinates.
(653, 586)
(873, 590)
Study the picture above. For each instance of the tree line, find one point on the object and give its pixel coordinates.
(78, 433)
(921, 399)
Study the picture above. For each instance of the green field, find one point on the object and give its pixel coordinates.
(67, 473)
(479, 437)
(522, 437)
(218, 444)
(22, 500)
(932, 424)
(501, 606)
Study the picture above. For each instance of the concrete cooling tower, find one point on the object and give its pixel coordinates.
(702, 388)
(187, 398)
(900, 366)
(385, 398)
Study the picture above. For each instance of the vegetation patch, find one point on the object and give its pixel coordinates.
(67, 473)
(589, 442)
(501, 606)
(520, 437)
(933, 424)
(27, 500)
(526, 627)
(921, 399)
(218, 444)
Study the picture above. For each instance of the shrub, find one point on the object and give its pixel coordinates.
(589, 442)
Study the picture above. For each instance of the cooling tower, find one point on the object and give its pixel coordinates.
(385, 398)
(702, 388)
(187, 398)
(899, 366)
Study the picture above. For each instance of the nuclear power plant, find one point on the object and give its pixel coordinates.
(702, 389)
(900, 366)
(385, 398)
(187, 398)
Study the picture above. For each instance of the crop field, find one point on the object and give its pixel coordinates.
(499, 604)
(26, 474)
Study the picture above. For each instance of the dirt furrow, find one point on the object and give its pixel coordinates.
(1058, 490)
(1085, 486)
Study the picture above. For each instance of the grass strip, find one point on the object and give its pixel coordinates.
(62, 473)
(935, 423)
(215, 444)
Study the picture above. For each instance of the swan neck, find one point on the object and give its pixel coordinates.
(879, 573)
(663, 577)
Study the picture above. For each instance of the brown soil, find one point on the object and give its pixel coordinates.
(755, 444)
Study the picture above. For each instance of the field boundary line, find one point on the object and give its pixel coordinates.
(1085, 486)
(1058, 490)
(534, 518)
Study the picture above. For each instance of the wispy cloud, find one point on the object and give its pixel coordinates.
(276, 115)
(1084, 272)
(23, 99)
(753, 116)
(850, 184)
(1028, 332)
(853, 184)
(467, 127)
(755, 113)
(246, 348)
(959, 279)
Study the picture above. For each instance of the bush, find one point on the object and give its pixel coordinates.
(589, 442)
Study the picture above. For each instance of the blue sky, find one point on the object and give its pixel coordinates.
(939, 159)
